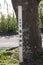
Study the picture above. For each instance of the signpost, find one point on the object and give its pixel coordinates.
(20, 33)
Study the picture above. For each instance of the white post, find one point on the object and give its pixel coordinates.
(20, 33)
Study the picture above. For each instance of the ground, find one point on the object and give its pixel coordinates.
(9, 57)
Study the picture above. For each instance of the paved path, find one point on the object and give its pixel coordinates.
(11, 41)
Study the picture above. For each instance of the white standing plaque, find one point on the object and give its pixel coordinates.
(20, 33)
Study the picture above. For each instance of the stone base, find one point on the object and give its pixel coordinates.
(28, 63)
(22, 63)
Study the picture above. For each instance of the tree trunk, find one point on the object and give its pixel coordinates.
(31, 33)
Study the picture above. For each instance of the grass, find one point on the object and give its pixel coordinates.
(9, 57)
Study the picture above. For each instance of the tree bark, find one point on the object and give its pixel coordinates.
(31, 33)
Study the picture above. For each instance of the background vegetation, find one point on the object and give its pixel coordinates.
(41, 15)
(8, 25)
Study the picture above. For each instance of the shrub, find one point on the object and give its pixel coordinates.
(8, 25)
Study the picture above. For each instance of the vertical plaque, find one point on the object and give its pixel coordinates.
(20, 33)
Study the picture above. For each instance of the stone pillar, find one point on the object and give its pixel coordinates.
(31, 34)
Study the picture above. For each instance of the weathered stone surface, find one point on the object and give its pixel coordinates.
(31, 33)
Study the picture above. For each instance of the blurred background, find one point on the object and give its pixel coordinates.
(8, 22)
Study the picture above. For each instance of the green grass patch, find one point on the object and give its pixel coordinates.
(9, 57)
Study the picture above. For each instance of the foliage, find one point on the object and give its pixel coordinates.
(8, 25)
(9, 59)
(41, 13)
